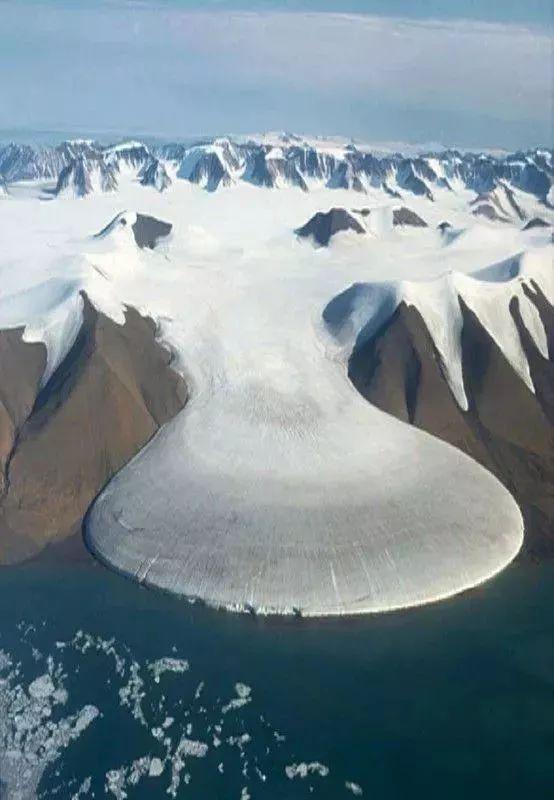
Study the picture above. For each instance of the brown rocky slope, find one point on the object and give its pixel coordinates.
(507, 428)
(61, 443)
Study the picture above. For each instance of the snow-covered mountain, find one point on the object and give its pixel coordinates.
(22, 162)
(499, 204)
(273, 168)
(84, 175)
(140, 229)
(130, 156)
(212, 165)
(285, 160)
(489, 294)
(315, 500)
(345, 176)
(154, 173)
(324, 225)
(467, 358)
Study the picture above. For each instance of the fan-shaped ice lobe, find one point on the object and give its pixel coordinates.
(279, 489)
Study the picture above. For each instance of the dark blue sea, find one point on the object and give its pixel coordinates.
(110, 690)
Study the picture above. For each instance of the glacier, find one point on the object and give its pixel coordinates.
(278, 489)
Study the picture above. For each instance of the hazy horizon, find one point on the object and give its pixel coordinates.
(464, 74)
(52, 138)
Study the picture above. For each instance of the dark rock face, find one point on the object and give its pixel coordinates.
(59, 445)
(149, 230)
(20, 162)
(391, 192)
(210, 170)
(531, 172)
(134, 155)
(323, 226)
(533, 180)
(77, 175)
(21, 368)
(404, 216)
(510, 197)
(344, 176)
(268, 172)
(499, 205)
(258, 172)
(23, 162)
(536, 222)
(489, 212)
(155, 174)
(312, 164)
(408, 178)
(507, 428)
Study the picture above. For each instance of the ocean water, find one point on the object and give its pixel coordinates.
(109, 690)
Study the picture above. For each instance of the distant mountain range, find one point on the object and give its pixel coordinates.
(427, 281)
(81, 167)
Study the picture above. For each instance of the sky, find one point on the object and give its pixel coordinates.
(458, 72)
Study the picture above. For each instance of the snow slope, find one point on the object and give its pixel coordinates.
(278, 487)
(357, 314)
(500, 187)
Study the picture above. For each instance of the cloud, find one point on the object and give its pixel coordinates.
(465, 65)
(144, 55)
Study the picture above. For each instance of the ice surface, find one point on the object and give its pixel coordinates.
(37, 759)
(33, 734)
(303, 769)
(42, 687)
(357, 314)
(156, 767)
(242, 698)
(278, 488)
(167, 664)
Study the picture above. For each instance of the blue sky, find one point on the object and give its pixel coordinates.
(458, 72)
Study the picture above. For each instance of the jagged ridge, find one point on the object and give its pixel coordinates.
(454, 371)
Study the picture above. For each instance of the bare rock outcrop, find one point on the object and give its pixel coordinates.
(324, 225)
(536, 222)
(61, 443)
(507, 428)
(405, 216)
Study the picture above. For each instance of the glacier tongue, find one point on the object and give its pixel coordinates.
(278, 488)
(286, 502)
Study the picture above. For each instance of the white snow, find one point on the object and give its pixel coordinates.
(33, 733)
(122, 147)
(167, 664)
(304, 769)
(487, 293)
(156, 768)
(42, 687)
(242, 699)
(278, 488)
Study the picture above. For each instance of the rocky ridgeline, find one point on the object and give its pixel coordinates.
(62, 439)
(83, 166)
(502, 420)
